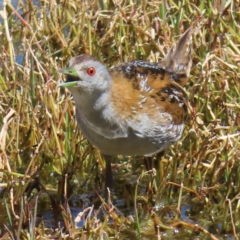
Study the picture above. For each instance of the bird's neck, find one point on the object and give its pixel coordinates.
(94, 111)
(88, 102)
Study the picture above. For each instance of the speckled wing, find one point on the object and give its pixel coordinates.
(143, 88)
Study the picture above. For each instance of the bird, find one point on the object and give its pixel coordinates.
(134, 108)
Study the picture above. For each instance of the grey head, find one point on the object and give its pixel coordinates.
(87, 74)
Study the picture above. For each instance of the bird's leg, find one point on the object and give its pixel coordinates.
(148, 161)
(159, 167)
(108, 175)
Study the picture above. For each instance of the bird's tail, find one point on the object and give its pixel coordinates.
(178, 61)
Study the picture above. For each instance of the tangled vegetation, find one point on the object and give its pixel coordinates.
(46, 165)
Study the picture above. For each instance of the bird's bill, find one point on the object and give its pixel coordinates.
(71, 71)
(67, 84)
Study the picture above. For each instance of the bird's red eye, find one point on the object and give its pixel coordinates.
(91, 71)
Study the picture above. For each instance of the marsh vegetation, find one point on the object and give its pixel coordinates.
(51, 177)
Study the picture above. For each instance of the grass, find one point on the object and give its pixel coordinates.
(44, 159)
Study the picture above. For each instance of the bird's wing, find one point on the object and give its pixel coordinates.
(143, 89)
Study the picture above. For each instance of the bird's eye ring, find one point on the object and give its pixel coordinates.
(91, 71)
